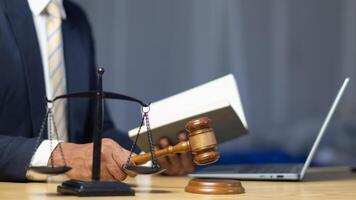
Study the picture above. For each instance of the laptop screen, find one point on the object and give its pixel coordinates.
(324, 126)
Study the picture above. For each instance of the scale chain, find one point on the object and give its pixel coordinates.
(40, 134)
(155, 163)
(144, 120)
(50, 117)
(59, 144)
(133, 146)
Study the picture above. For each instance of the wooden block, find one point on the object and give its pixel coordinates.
(214, 186)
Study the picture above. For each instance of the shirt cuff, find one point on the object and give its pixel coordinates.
(40, 158)
(43, 153)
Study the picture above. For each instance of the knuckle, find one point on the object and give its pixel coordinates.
(122, 155)
(104, 157)
(164, 139)
(182, 135)
(122, 176)
(107, 141)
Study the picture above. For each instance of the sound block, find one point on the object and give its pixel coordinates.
(214, 186)
(95, 188)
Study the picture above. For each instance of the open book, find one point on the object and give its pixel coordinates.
(219, 100)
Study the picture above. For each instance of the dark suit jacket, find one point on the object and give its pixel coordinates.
(22, 86)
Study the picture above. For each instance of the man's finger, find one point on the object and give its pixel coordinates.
(115, 170)
(185, 158)
(120, 155)
(104, 172)
(163, 161)
(175, 165)
(119, 158)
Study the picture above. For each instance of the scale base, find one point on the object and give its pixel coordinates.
(94, 188)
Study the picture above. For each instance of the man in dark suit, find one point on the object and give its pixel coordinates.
(26, 60)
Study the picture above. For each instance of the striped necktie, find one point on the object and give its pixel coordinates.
(56, 67)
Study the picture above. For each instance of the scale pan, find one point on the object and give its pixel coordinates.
(51, 170)
(143, 170)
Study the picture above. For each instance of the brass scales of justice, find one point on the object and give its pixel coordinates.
(201, 143)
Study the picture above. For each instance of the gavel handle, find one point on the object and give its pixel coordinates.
(178, 148)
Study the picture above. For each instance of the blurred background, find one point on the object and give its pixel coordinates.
(289, 58)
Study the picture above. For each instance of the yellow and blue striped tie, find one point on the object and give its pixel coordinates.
(56, 67)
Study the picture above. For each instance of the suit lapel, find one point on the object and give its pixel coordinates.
(21, 22)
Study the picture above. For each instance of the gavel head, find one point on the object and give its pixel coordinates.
(202, 141)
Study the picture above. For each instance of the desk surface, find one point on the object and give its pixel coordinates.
(320, 183)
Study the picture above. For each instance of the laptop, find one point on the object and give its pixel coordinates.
(275, 171)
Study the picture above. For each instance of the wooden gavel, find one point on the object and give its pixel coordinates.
(202, 143)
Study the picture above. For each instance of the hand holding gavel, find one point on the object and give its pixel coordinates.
(202, 143)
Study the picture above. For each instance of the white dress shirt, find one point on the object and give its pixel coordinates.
(37, 7)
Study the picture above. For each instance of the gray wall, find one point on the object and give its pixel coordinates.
(289, 58)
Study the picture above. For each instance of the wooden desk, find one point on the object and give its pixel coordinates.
(321, 183)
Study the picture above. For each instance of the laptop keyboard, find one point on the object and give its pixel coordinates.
(252, 169)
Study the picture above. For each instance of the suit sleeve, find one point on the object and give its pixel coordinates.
(15, 155)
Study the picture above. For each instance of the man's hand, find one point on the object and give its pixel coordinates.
(176, 164)
(79, 157)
